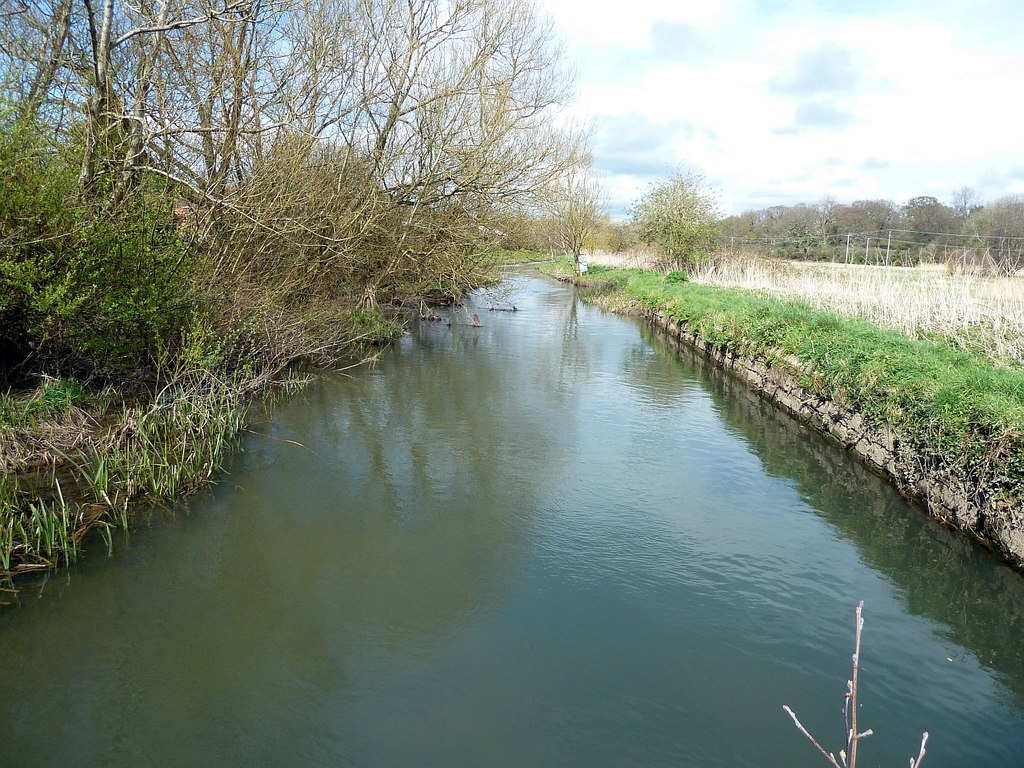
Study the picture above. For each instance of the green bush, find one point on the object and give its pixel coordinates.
(680, 217)
(82, 288)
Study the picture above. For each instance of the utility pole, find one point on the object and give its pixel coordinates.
(848, 247)
(887, 243)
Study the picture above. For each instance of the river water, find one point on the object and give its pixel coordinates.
(545, 541)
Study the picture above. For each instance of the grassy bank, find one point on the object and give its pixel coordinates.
(961, 406)
(979, 314)
(76, 460)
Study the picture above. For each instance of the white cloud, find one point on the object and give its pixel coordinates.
(675, 41)
(818, 115)
(827, 69)
(601, 23)
(909, 102)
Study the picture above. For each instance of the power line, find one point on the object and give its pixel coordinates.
(884, 234)
(952, 234)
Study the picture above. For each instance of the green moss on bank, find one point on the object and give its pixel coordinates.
(962, 408)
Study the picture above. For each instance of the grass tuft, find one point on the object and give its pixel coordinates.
(129, 453)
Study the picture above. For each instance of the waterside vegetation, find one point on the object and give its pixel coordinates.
(960, 408)
(198, 199)
(75, 460)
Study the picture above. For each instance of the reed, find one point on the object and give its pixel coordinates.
(51, 530)
(8, 510)
(978, 314)
(155, 451)
(37, 533)
(167, 449)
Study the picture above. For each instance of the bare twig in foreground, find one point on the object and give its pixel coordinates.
(848, 756)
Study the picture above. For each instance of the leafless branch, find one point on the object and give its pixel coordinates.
(848, 756)
(230, 9)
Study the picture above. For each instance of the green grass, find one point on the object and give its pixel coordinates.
(35, 533)
(959, 406)
(55, 397)
(154, 451)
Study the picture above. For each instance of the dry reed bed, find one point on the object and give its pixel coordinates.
(977, 314)
(971, 312)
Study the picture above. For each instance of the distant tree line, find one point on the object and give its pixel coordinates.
(677, 220)
(964, 233)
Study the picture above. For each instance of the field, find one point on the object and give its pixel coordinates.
(976, 313)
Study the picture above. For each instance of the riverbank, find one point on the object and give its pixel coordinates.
(78, 459)
(944, 426)
(510, 512)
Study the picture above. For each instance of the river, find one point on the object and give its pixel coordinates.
(546, 541)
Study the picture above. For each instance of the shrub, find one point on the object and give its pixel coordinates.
(680, 217)
(82, 289)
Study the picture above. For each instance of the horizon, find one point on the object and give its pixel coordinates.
(783, 102)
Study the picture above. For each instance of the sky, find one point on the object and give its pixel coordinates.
(779, 102)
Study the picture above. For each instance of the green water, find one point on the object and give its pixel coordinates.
(547, 541)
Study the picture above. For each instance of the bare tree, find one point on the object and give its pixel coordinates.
(573, 206)
(825, 213)
(965, 201)
(370, 143)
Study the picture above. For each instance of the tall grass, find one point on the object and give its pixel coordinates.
(167, 449)
(129, 453)
(37, 533)
(973, 313)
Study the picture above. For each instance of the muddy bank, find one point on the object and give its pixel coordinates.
(948, 493)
